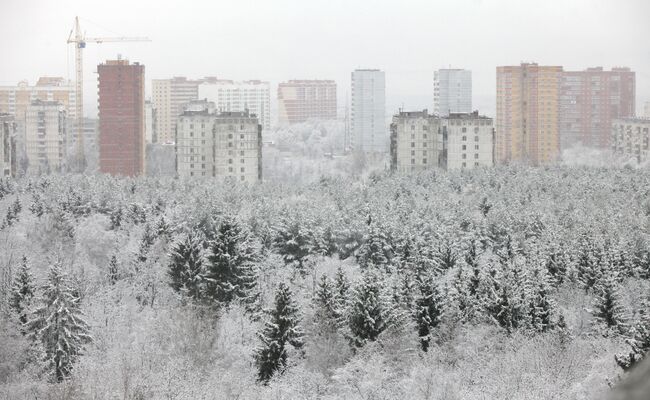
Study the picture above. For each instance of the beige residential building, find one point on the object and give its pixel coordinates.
(225, 145)
(232, 96)
(168, 97)
(527, 121)
(302, 100)
(16, 99)
(45, 136)
(468, 141)
(631, 137)
(414, 141)
(7, 145)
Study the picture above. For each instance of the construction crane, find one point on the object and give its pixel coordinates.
(79, 39)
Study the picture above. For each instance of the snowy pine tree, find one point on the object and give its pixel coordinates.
(293, 243)
(230, 272)
(369, 313)
(428, 309)
(113, 271)
(376, 251)
(541, 306)
(186, 267)
(640, 340)
(280, 330)
(58, 324)
(22, 291)
(608, 306)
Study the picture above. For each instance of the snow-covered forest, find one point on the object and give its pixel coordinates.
(502, 283)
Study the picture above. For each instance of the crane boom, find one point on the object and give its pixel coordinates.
(78, 38)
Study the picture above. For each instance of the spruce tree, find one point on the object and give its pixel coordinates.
(369, 313)
(280, 330)
(471, 259)
(446, 257)
(58, 324)
(327, 310)
(541, 306)
(293, 243)
(22, 291)
(186, 267)
(113, 271)
(428, 309)
(230, 273)
(640, 340)
(608, 306)
(376, 251)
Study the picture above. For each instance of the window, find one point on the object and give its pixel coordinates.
(476, 138)
(476, 147)
(476, 130)
(425, 128)
(241, 136)
(202, 166)
(476, 156)
(243, 178)
(412, 161)
(464, 138)
(242, 161)
(464, 156)
(412, 144)
(229, 169)
(424, 161)
(464, 129)
(464, 165)
(230, 136)
(412, 127)
(424, 136)
(424, 144)
(242, 169)
(191, 165)
(476, 164)
(412, 152)
(241, 153)
(464, 147)
(230, 161)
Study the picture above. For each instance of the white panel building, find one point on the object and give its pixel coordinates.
(468, 141)
(45, 136)
(232, 96)
(168, 97)
(631, 138)
(368, 111)
(452, 91)
(415, 142)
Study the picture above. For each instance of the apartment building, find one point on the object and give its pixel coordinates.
(414, 141)
(45, 136)
(225, 145)
(168, 97)
(253, 96)
(301, 100)
(368, 112)
(452, 91)
(590, 100)
(121, 118)
(468, 141)
(527, 120)
(16, 99)
(631, 138)
(7, 145)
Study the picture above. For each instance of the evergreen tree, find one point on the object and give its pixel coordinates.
(148, 239)
(369, 313)
(588, 264)
(608, 305)
(428, 309)
(37, 207)
(640, 340)
(281, 329)
(446, 257)
(22, 291)
(471, 259)
(186, 267)
(541, 306)
(327, 310)
(230, 273)
(113, 271)
(116, 218)
(376, 251)
(293, 243)
(59, 325)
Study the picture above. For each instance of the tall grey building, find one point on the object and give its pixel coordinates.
(452, 91)
(368, 116)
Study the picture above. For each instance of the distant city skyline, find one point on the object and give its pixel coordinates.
(266, 48)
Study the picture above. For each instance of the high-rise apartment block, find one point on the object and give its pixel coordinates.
(468, 141)
(150, 122)
(168, 97)
(7, 145)
(45, 136)
(301, 100)
(414, 141)
(121, 118)
(231, 96)
(647, 109)
(452, 91)
(218, 144)
(16, 99)
(421, 141)
(631, 137)
(368, 111)
(590, 100)
(527, 120)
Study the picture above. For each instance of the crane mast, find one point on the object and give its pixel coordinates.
(78, 38)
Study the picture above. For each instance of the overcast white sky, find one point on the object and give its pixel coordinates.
(277, 40)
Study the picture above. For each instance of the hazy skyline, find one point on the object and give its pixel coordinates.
(282, 40)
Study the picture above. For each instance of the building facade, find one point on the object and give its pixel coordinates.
(121, 118)
(150, 122)
(231, 96)
(647, 109)
(16, 99)
(368, 112)
(468, 141)
(631, 138)
(225, 145)
(45, 136)
(590, 100)
(527, 120)
(7, 145)
(452, 91)
(414, 141)
(301, 100)
(168, 97)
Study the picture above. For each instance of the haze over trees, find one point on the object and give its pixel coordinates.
(511, 282)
